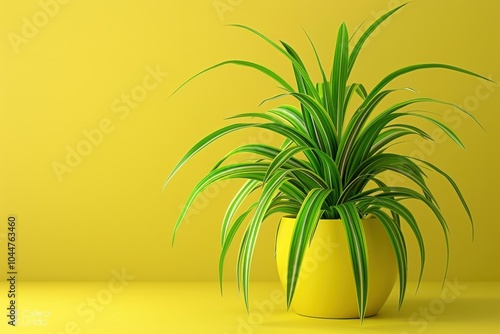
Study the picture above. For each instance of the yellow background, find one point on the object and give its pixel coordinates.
(67, 76)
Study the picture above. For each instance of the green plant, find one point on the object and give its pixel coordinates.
(329, 165)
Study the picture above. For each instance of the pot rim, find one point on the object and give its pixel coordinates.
(368, 217)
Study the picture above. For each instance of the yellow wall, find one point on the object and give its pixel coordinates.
(94, 77)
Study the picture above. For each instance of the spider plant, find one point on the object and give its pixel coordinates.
(329, 165)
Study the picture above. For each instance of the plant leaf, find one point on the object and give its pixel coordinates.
(357, 248)
(305, 225)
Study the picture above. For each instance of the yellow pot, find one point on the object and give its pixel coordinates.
(326, 288)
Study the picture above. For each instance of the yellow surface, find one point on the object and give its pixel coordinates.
(191, 308)
(325, 285)
(93, 77)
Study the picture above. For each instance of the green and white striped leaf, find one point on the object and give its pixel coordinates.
(305, 225)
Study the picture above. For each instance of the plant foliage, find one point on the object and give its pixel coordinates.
(329, 165)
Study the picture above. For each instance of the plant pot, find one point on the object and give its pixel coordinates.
(326, 285)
